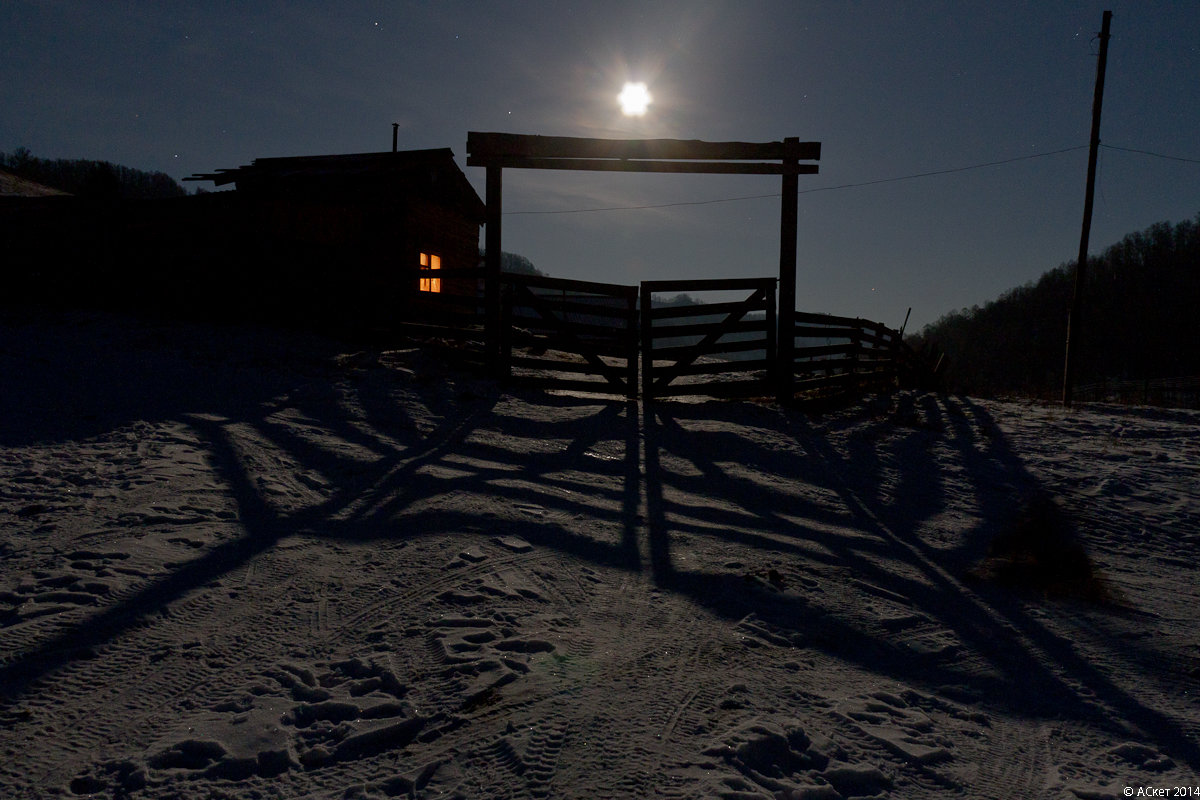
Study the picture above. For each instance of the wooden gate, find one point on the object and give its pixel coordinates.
(566, 334)
(679, 342)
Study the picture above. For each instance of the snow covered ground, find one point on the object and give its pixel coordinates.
(240, 564)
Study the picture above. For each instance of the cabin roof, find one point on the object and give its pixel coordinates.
(427, 174)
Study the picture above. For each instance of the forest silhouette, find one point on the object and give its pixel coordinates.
(88, 178)
(1139, 305)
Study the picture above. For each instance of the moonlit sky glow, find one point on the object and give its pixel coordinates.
(891, 89)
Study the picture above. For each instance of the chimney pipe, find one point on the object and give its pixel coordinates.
(395, 133)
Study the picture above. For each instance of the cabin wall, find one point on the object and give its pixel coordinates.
(313, 262)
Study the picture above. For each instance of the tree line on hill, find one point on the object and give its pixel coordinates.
(1139, 321)
(87, 178)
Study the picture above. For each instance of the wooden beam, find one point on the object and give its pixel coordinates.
(491, 294)
(786, 340)
(637, 165)
(485, 146)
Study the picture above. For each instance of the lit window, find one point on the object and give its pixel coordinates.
(430, 262)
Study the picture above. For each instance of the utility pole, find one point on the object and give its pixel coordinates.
(1074, 320)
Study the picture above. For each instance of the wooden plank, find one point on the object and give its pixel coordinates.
(831, 319)
(703, 328)
(598, 322)
(680, 352)
(612, 348)
(543, 319)
(817, 332)
(487, 145)
(681, 167)
(583, 307)
(702, 310)
(567, 284)
(822, 350)
(706, 285)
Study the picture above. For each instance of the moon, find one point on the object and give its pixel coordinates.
(634, 99)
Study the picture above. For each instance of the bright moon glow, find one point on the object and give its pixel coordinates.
(634, 99)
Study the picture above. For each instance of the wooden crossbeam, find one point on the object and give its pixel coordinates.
(483, 148)
(624, 165)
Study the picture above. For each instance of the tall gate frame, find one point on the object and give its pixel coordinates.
(496, 151)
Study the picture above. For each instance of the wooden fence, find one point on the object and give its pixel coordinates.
(686, 350)
(837, 354)
(597, 337)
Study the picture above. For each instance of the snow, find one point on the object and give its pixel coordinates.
(240, 563)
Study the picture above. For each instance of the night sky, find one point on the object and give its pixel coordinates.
(891, 89)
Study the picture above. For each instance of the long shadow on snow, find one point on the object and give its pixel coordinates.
(371, 501)
(887, 493)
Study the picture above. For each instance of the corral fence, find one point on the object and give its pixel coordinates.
(834, 354)
(1163, 392)
(616, 339)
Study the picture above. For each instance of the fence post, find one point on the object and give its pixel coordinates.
(774, 379)
(632, 345)
(855, 353)
(893, 350)
(789, 214)
(492, 245)
(647, 337)
(504, 364)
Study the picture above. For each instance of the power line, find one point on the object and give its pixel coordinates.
(804, 191)
(1149, 153)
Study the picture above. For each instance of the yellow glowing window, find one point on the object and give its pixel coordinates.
(431, 262)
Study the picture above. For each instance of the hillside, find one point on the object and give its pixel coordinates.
(1139, 321)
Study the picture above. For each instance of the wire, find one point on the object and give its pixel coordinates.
(1148, 153)
(805, 191)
